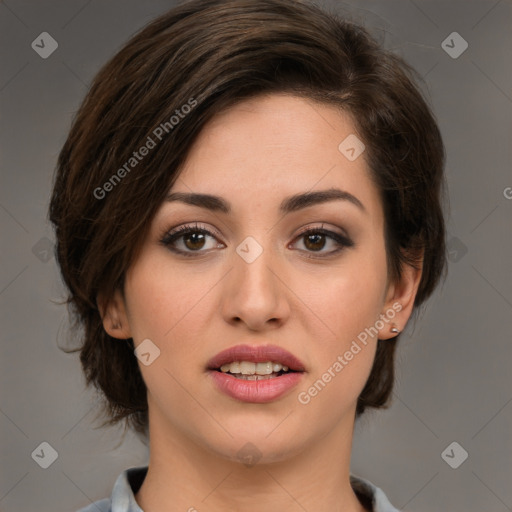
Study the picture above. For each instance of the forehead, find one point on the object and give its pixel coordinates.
(268, 147)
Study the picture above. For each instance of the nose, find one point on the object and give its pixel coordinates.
(255, 293)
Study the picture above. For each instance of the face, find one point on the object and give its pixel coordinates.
(309, 279)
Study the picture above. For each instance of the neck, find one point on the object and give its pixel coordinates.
(185, 476)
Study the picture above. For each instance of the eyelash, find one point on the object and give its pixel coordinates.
(170, 237)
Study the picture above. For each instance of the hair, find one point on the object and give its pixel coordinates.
(171, 78)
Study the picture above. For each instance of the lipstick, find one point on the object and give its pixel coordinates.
(262, 389)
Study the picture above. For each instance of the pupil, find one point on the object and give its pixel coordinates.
(192, 236)
(316, 237)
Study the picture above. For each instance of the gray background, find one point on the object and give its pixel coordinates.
(453, 379)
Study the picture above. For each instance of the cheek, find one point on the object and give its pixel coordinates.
(171, 309)
(159, 301)
(343, 357)
(165, 307)
(348, 303)
(351, 298)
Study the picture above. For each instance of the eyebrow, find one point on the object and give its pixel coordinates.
(288, 205)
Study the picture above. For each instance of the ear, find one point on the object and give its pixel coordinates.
(114, 316)
(400, 297)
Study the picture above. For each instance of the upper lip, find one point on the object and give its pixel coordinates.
(256, 354)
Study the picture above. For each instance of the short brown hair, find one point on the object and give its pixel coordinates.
(210, 55)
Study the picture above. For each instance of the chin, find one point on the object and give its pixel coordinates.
(257, 446)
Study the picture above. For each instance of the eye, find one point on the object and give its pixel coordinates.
(189, 239)
(316, 239)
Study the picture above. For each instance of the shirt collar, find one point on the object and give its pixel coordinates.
(127, 485)
(129, 481)
(371, 495)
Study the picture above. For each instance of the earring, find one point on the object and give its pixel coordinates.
(394, 329)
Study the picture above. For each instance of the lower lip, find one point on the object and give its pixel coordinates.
(255, 391)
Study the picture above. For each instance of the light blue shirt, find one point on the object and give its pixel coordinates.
(129, 481)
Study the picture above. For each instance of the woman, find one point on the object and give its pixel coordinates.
(247, 213)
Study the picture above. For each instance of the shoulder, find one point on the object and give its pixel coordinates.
(123, 493)
(371, 497)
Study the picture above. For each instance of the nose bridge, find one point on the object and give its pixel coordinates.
(255, 293)
(253, 263)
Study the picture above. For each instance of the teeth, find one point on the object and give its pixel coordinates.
(248, 368)
(256, 376)
(264, 368)
(232, 368)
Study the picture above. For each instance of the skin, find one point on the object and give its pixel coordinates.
(254, 155)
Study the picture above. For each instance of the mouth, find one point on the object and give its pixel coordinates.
(260, 361)
(247, 370)
(255, 374)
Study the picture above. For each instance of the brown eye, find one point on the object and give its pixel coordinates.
(314, 240)
(188, 240)
(194, 240)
